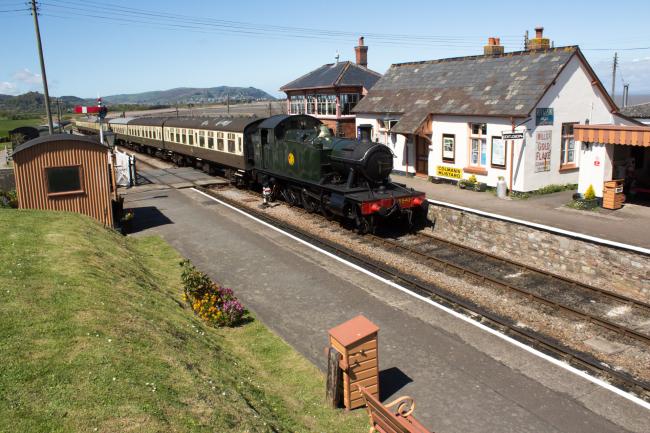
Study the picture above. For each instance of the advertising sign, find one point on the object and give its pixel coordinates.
(446, 171)
(542, 151)
(498, 152)
(543, 116)
(448, 147)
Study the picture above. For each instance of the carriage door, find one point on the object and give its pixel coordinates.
(266, 152)
(421, 156)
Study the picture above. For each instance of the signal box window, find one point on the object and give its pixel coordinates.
(348, 101)
(63, 180)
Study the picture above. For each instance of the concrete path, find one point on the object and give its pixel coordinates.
(462, 378)
(627, 225)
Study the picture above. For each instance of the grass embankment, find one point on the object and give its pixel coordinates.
(94, 337)
(8, 125)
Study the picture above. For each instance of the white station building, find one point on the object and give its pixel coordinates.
(448, 118)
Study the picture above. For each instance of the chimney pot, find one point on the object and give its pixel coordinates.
(493, 47)
(497, 41)
(539, 32)
(492, 41)
(361, 52)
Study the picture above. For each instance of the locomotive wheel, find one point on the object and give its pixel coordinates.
(365, 225)
(307, 202)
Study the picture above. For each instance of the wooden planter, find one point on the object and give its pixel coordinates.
(356, 342)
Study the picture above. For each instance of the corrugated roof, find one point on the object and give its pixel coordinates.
(334, 75)
(639, 111)
(508, 85)
(45, 139)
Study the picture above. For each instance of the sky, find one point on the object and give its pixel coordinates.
(95, 48)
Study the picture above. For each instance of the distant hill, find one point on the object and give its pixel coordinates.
(33, 102)
(190, 95)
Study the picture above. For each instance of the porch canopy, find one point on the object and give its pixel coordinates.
(613, 134)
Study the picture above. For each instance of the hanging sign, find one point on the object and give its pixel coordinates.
(543, 116)
(512, 135)
(542, 151)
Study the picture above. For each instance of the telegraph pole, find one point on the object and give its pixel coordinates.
(228, 102)
(46, 94)
(58, 111)
(614, 75)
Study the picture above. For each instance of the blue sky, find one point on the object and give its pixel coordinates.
(91, 49)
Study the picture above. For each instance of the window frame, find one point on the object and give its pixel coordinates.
(346, 103)
(81, 189)
(230, 138)
(564, 151)
(481, 138)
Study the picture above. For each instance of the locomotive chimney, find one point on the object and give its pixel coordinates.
(362, 53)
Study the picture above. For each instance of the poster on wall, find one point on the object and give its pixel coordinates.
(448, 144)
(542, 151)
(498, 152)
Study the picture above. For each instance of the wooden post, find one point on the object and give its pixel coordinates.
(333, 392)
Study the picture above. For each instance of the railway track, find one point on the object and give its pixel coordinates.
(584, 361)
(586, 302)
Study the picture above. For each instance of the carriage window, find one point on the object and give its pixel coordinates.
(183, 136)
(239, 144)
(63, 179)
(190, 137)
(231, 142)
(219, 140)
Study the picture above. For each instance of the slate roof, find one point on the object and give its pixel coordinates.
(639, 111)
(507, 85)
(335, 75)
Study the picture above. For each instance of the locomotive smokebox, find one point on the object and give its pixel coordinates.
(373, 161)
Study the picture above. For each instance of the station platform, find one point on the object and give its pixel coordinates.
(628, 225)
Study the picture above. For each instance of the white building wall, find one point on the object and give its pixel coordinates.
(573, 99)
(595, 166)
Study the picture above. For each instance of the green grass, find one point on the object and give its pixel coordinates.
(94, 337)
(8, 125)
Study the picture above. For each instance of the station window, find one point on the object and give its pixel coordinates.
(190, 137)
(348, 101)
(297, 104)
(478, 145)
(231, 142)
(568, 156)
(61, 180)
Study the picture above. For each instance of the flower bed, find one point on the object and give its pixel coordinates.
(215, 304)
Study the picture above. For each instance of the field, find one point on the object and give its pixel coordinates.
(8, 125)
(95, 337)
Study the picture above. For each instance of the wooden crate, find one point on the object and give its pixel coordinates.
(613, 197)
(356, 341)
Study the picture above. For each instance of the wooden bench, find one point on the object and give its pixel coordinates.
(395, 417)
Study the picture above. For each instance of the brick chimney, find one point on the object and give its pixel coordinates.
(362, 53)
(539, 42)
(493, 48)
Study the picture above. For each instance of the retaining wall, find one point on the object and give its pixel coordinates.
(7, 180)
(611, 268)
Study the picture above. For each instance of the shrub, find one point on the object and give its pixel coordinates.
(472, 179)
(215, 304)
(8, 199)
(590, 194)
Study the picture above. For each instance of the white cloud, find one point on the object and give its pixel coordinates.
(28, 77)
(7, 88)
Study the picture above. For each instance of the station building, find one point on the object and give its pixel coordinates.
(446, 118)
(330, 92)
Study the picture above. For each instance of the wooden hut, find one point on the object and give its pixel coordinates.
(64, 172)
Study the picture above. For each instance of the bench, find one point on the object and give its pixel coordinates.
(395, 417)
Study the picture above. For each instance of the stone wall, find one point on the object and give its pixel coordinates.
(7, 180)
(622, 271)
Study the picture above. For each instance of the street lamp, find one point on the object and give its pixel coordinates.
(109, 137)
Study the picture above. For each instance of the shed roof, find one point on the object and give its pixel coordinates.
(46, 139)
(335, 75)
(507, 85)
(639, 111)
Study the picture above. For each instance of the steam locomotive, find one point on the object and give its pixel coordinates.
(294, 155)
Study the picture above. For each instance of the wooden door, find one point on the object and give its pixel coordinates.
(421, 156)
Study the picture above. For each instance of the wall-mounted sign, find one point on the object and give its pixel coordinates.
(498, 158)
(446, 171)
(512, 135)
(448, 147)
(542, 151)
(543, 116)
